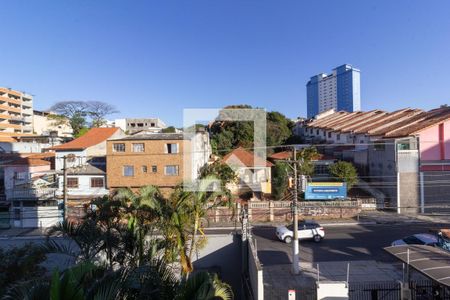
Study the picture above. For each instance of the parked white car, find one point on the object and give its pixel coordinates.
(417, 239)
(306, 230)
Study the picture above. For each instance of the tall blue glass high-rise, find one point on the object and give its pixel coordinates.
(339, 90)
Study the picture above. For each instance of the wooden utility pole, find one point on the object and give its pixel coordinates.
(64, 186)
(295, 244)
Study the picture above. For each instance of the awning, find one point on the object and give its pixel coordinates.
(431, 261)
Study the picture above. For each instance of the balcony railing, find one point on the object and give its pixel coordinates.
(31, 194)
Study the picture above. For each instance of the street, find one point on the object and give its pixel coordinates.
(341, 243)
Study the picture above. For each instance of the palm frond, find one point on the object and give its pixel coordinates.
(30, 290)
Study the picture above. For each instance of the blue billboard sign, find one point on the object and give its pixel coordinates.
(326, 190)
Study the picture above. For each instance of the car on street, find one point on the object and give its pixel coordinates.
(306, 230)
(417, 239)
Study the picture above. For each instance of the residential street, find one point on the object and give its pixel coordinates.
(341, 243)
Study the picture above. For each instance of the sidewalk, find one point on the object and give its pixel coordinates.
(22, 232)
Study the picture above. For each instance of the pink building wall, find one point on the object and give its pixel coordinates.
(447, 139)
(431, 147)
(11, 170)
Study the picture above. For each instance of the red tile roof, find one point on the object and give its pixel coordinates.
(240, 155)
(282, 155)
(91, 138)
(28, 161)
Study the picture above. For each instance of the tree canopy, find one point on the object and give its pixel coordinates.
(227, 135)
(81, 114)
(346, 172)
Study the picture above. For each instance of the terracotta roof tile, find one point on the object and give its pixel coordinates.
(91, 138)
(27, 161)
(245, 157)
(281, 155)
(427, 119)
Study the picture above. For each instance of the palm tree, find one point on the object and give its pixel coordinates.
(154, 280)
(195, 204)
(204, 286)
(83, 281)
(142, 211)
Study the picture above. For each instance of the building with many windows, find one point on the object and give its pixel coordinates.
(16, 111)
(339, 90)
(160, 159)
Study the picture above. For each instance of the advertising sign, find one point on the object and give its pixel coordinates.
(326, 190)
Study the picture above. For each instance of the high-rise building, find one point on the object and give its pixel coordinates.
(16, 111)
(339, 90)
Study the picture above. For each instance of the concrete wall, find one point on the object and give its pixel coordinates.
(382, 173)
(33, 217)
(255, 272)
(436, 192)
(211, 259)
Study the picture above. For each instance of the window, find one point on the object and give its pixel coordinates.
(329, 134)
(152, 124)
(154, 169)
(17, 214)
(324, 133)
(338, 137)
(171, 148)
(171, 170)
(138, 147)
(144, 169)
(128, 171)
(72, 182)
(317, 131)
(119, 147)
(379, 146)
(21, 175)
(97, 182)
(404, 146)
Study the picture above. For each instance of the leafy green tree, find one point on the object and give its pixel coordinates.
(345, 172)
(279, 179)
(78, 113)
(169, 129)
(305, 156)
(227, 135)
(221, 171)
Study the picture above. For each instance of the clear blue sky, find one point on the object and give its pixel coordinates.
(154, 58)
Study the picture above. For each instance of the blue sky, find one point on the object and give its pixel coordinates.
(154, 58)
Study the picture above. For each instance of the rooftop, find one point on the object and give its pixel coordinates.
(155, 136)
(400, 123)
(91, 138)
(247, 158)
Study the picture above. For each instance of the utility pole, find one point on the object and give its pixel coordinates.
(295, 245)
(64, 186)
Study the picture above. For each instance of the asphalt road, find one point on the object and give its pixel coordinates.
(341, 243)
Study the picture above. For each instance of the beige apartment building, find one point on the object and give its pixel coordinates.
(156, 159)
(44, 124)
(16, 111)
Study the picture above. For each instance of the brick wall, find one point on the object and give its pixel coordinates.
(153, 155)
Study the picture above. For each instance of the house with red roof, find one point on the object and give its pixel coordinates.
(253, 172)
(86, 168)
